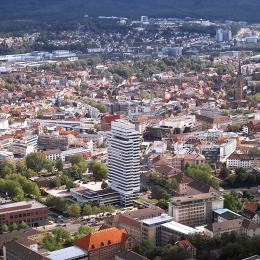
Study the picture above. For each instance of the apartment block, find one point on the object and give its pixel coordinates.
(196, 209)
(52, 142)
(106, 121)
(20, 150)
(124, 161)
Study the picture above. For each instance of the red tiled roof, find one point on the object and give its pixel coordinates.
(93, 241)
(252, 206)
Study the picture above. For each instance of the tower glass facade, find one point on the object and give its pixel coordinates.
(124, 161)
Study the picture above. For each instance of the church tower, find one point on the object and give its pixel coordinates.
(239, 91)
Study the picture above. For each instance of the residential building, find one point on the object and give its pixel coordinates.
(53, 154)
(196, 209)
(106, 121)
(5, 141)
(51, 142)
(65, 155)
(30, 140)
(170, 172)
(106, 242)
(194, 159)
(144, 19)
(33, 213)
(237, 225)
(228, 147)
(20, 150)
(124, 161)
(6, 155)
(221, 215)
(152, 230)
(42, 182)
(175, 228)
(211, 154)
(196, 187)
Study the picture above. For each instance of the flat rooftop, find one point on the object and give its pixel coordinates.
(180, 228)
(221, 211)
(67, 253)
(157, 220)
(196, 198)
(10, 207)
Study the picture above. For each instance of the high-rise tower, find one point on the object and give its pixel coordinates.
(239, 91)
(124, 161)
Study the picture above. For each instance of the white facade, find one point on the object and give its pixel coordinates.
(124, 160)
(228, 148)
(21, 150)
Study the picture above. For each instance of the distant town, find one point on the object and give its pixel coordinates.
(131, 140)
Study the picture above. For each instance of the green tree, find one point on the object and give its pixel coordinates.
(104, 185)
(224, 173)
(144, 248)
(74, 209)
(110, 208)
(95, 210)
(36, 161)
(23, 224)
(55, 182)
(70, 185)
(14, 226)
(4, 228)
(59, 164)
(61, 234)
(87, 210)
(76, 158)
(75, 172)
(172, 184)
(100, 171)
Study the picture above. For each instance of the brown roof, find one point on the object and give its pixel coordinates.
(129, 221)
(186, 244)
(52, 151)
(21, 233)
(231, 224)
(202, 187)
(168, 170)
(143, 212)
(221, 226)
(24, 251)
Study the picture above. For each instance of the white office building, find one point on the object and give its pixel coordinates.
(124, 161)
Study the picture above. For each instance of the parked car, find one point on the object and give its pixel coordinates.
(92, 221)
(101, 215)
(108, 214)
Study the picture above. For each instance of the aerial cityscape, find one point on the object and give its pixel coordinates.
(129, 130)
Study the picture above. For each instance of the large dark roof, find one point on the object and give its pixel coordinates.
(21, 233)
(24, 251)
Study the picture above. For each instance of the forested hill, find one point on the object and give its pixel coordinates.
(50, 10)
